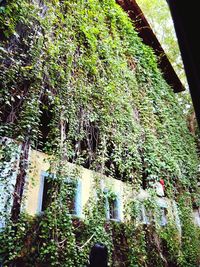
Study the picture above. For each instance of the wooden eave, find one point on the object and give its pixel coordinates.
(149, 38)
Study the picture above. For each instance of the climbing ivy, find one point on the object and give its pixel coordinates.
(190, 233)
(83, 65)
(78, 83)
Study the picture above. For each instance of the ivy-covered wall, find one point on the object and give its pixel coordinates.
(78, 83)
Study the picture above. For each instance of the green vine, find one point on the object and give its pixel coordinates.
(79, 84)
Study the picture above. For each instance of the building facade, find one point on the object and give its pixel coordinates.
(95, 146)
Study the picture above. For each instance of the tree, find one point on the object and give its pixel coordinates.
(158, 15)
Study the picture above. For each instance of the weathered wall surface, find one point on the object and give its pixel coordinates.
(39, 165)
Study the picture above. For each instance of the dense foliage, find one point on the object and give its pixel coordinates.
(78, 83)
(81, 70)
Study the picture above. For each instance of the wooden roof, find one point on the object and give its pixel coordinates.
(150, 39)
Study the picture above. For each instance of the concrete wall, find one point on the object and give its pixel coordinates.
(87, 184)
(39, 163)
(39, 167)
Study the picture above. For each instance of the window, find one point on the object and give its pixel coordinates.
(162, 204)
(113, 206)
(46, 195)
(74, 199)
(73, 194)
(163, 216)
(144, 215)
(113, 209)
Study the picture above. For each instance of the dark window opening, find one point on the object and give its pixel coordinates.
(113, 209)
(87, 146)
(144, 180)
(47, 193)
(44, 125)
(144, 174)
(70, 195)
(112, 205)
(112, 167)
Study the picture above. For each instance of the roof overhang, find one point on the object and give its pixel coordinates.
(150, 39)
(186, 21)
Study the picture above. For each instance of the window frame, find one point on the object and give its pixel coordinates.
(116, 207)
(77, 200)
